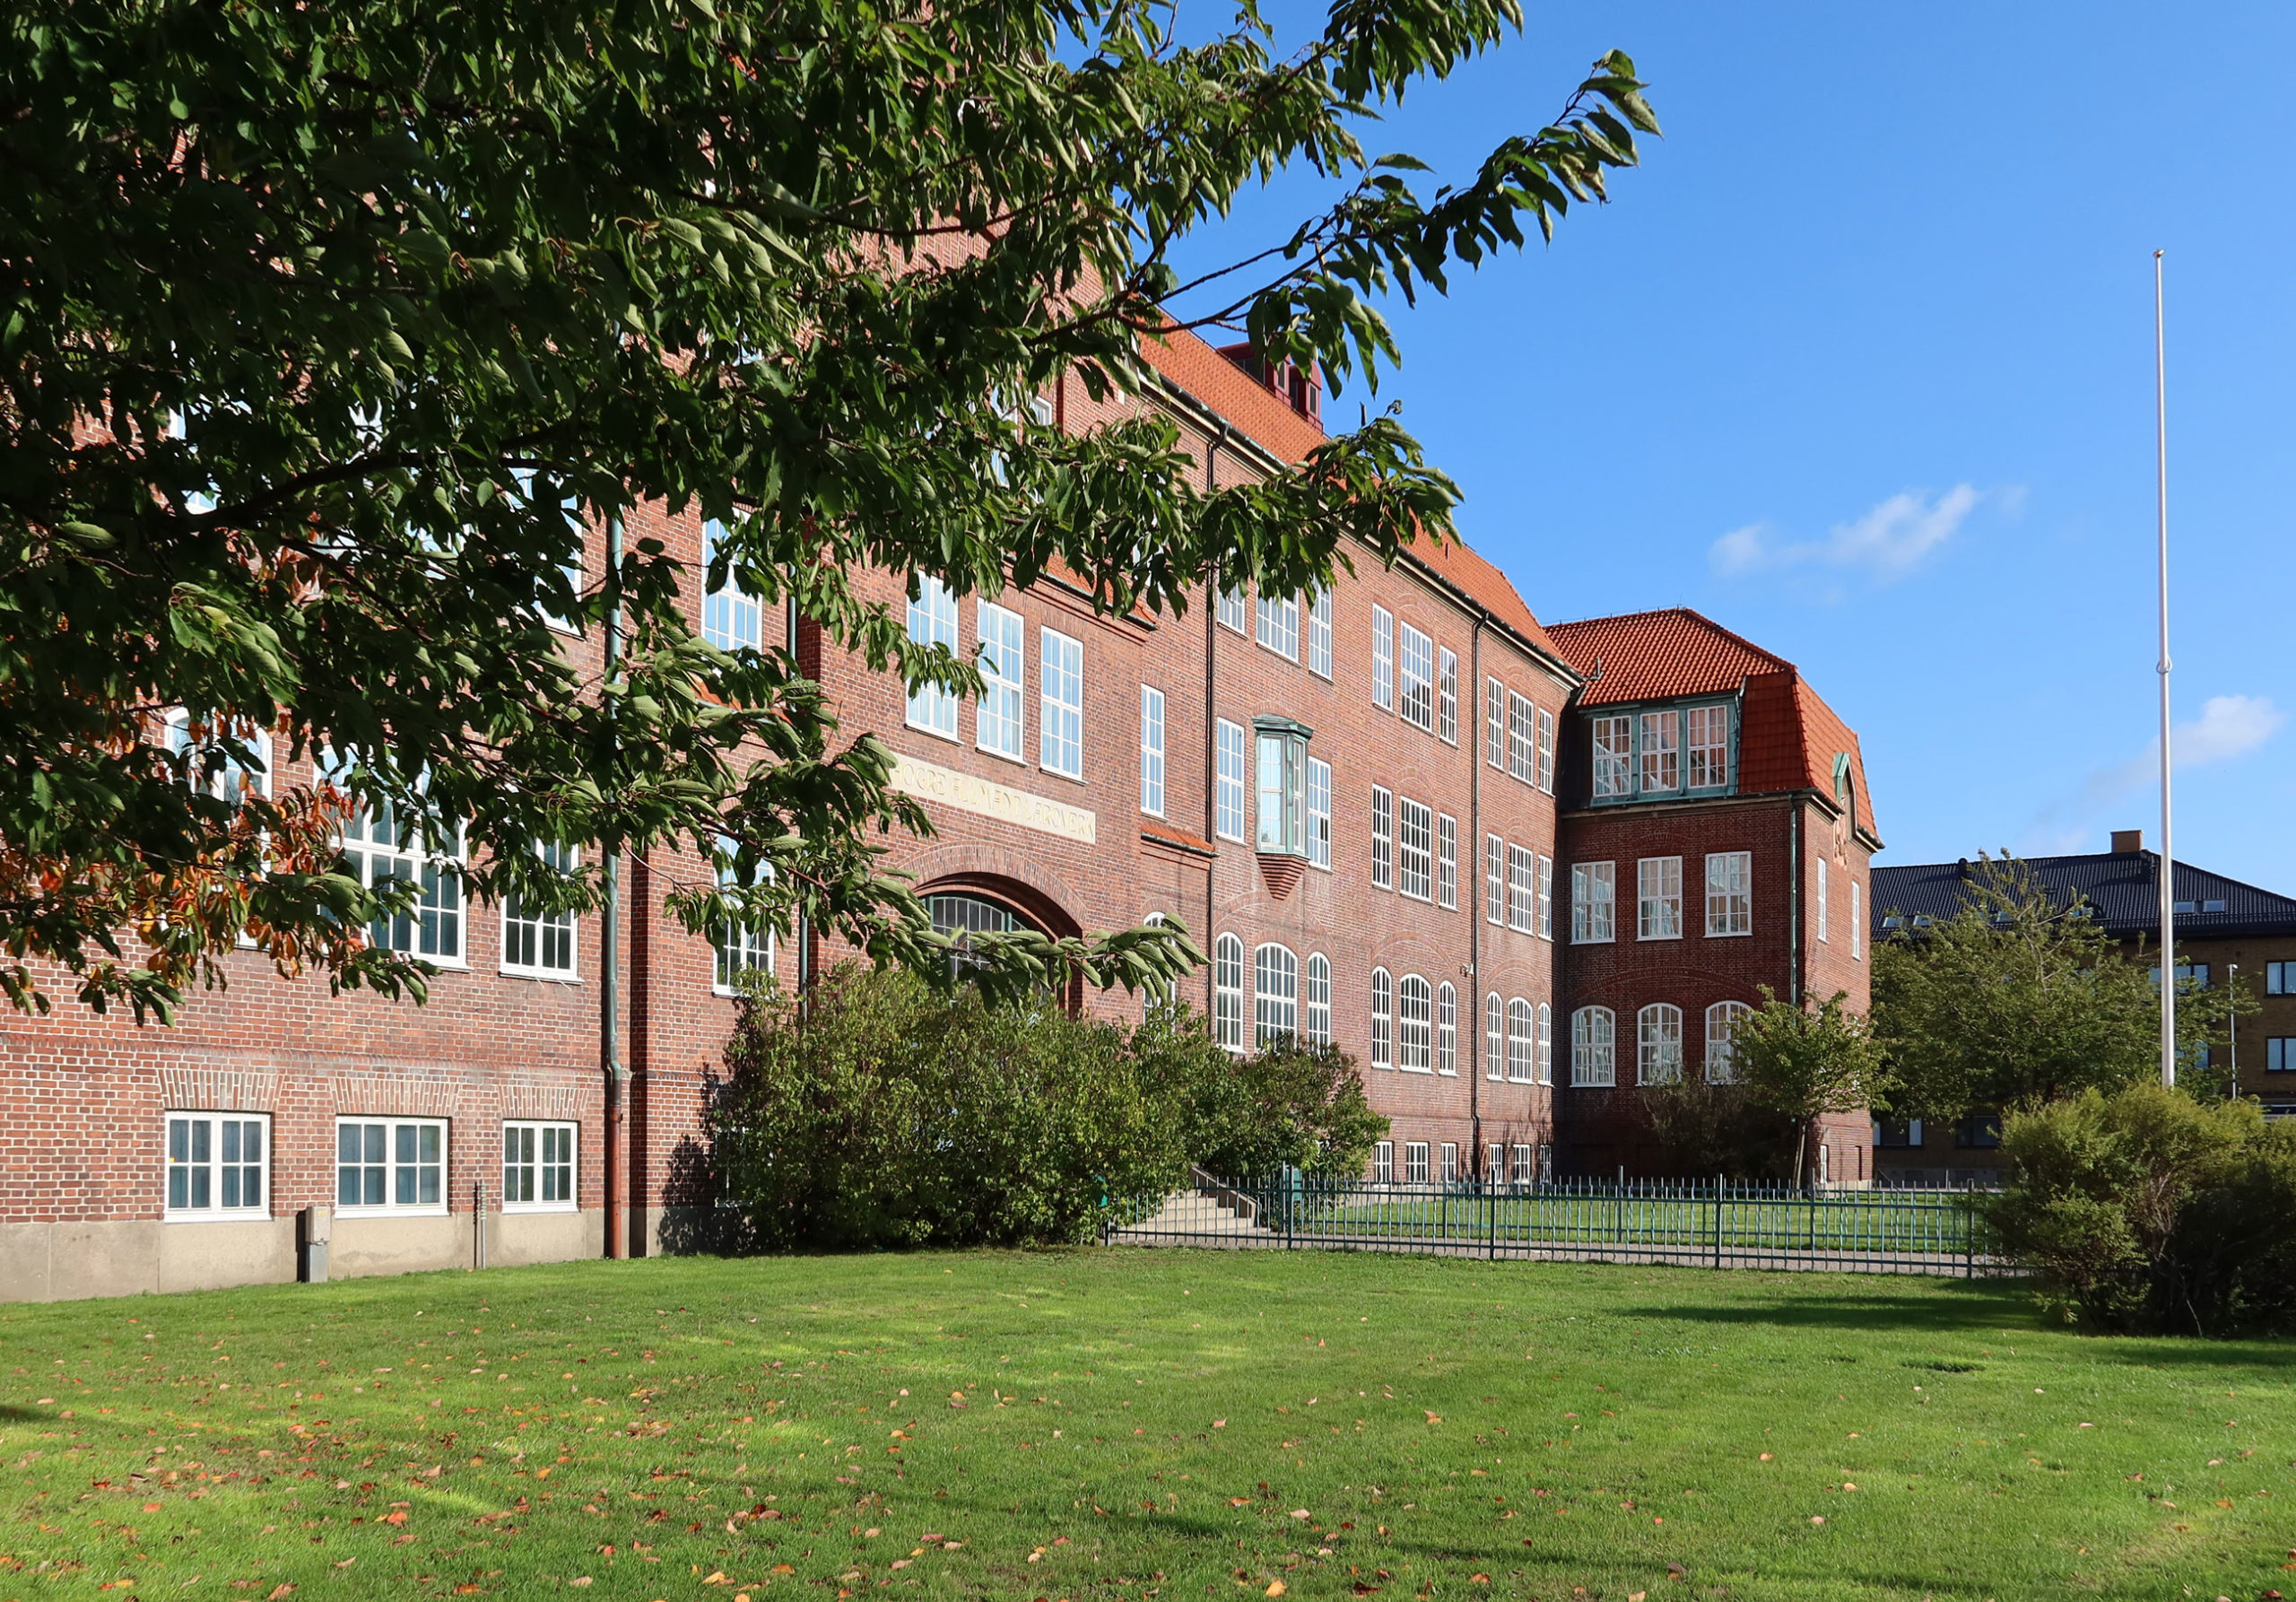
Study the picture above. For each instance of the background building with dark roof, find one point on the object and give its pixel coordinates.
(2228, 932)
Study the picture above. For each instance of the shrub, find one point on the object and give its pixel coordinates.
(2145, 1210)
(890, 1114)
(1701, 1129)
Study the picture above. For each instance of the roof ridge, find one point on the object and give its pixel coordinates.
(1694, 614)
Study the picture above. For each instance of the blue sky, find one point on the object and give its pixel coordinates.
(1860, 363)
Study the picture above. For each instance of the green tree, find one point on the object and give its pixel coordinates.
(2014, 999)
(326, 328)
(1805, 1062)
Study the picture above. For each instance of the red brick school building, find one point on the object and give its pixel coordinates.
(1517, 871)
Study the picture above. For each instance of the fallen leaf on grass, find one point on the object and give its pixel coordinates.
(583, 1580)
(280, 1593)
(1274, 1587)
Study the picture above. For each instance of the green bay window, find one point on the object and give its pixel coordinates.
(1282, 781)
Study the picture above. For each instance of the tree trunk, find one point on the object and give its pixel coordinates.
(1801, 1149)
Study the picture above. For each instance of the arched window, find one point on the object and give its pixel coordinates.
(1594, 1046)
(1545, 1058)
(1494, 1036)
(1383, 1019)
(960, 916)
(1447, 1029)
(1520, 1062)
(1414, 1011)
(1228, 992)
(1721, 1019)
(1318, 1028)
(1275, 991)
(1658, 1047)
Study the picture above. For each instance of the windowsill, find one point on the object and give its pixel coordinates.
(1292, 657)
(1234, 839)
(443, 964)
(1407, 1068)
(1057, 773)
(727, 992)
(1594, 940)
(1002, 756)
(1157, 813)
(1446, 1073)
(1729, 934)
(952, 737)
(540, 975)
(1321, 674)
(540, 1207)
(220, 1215)
(1424, 900)
(1518, 928)
(1593, 1085)
(440, 1211)
(1659, 937)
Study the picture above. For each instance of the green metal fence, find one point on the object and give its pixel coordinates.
(1712, 1223)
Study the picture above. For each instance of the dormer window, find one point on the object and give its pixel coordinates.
(1664, 752)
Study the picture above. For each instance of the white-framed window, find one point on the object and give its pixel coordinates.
(1062, 715)
(1228, 802)
(1383, 1019)
(741, 947)
(1318, 1022)
(1825, 923)
(1275, 995)
(1613, 742)
(1709, 745)
(537, 1167)
(1662, 756)
(1494, 723)
(1594, 902)
(570, 569)
(1546, 750)
(1494, 1036)
(1415, 663)
(1658, 898)
(390, 1165)
(1383, 1162)
(1415, 1024)
(1446, 1028)
(213, 770)
(1234, 611)
(731, 619)
(1856, 922)
(1522, 1171)
(1522, 883)
(1383, 658)
(1448, 1155)
(1446, 860)
(1658, 1044)
(1383, 838)
(536, 943)
(1522, 738)
(1414, 1162)
(1494, 1160)
(1729, 893)
(1522, 1042)
(376, 852)
(1319, 634)
(1721, 1021)
(1228, 992)
(1545, 1058)
(1446, 697)
(1277, 625)
(1000, 722)
(1546, 897)
(1151, 752)
(933, 621)
(1495, 879)
(1594, 1047)
(218, 1166)
(1319, 811)
(1414, 849)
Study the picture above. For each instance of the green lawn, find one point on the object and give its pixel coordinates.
(1131, 1423)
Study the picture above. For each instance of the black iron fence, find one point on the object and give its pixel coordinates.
(1690, 1223)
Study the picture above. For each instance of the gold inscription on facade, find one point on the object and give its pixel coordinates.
(928, 782)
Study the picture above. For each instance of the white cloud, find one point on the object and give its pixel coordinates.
(1887, 543)
(2229, 725)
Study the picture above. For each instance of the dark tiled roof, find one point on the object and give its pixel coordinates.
(2124, 886)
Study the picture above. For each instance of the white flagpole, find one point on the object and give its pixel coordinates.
(2167, 841)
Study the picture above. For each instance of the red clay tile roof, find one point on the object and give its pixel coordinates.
(1788, 736)
(1249, 406)
(1651, 656)
(1268, 421)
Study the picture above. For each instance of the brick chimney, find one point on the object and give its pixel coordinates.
(2127, 842)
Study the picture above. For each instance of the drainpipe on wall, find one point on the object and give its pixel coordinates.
(800, 931)
(1794, 904)
(610, 1067)
(1211, 743)
(1473, 863)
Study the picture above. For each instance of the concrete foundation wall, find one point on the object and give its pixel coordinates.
(71, 1260)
